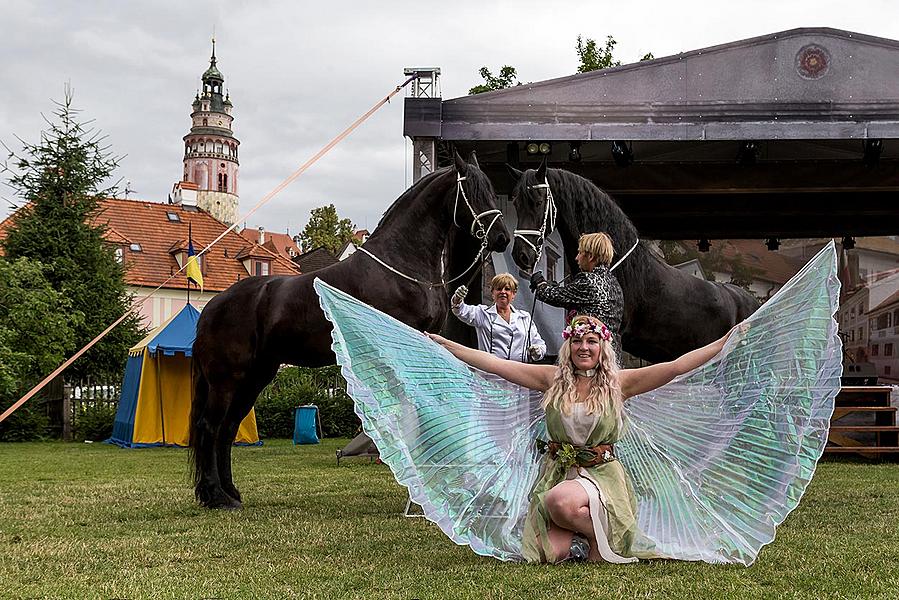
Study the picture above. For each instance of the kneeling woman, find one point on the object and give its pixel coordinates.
(582, 504)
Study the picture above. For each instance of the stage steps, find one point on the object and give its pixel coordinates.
(877, 439)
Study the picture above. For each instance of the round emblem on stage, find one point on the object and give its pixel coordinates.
(812, 62)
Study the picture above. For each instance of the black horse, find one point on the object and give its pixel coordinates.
(259, 323)
(666, 311)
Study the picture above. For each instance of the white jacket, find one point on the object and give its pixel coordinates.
(496, 336)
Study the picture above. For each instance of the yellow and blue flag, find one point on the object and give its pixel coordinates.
(192, 270)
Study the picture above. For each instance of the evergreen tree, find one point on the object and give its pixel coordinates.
(36, 332)
(61, 178)
(326, 228)
(505, 79)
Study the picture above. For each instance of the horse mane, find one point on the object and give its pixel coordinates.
(478, 185)
(414, 190)
(595, 210)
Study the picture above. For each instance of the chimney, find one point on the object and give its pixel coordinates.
(261, 236)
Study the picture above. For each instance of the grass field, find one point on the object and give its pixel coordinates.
(95, 521)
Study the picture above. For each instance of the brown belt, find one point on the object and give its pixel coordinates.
(588, 456)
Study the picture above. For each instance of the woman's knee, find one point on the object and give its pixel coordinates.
(561, 503)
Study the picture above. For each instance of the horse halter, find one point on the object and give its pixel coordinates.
(548, 226)
(481, 235)
(476, 218)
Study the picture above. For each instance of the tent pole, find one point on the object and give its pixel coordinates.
(159, 393)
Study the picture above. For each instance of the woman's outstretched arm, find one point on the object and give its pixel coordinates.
(535, 377)
(646, 379)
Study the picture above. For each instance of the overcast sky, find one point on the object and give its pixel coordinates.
(300, 71)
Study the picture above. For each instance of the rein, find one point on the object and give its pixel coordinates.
(481, 234)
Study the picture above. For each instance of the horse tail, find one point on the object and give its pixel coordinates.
(198, 429)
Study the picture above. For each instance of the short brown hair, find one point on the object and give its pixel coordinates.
(597, 245)
(502, 280)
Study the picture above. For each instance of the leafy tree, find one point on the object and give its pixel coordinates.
(326, 228)
(505, 79)
(61, 178)
(37, 330)
(593, 57)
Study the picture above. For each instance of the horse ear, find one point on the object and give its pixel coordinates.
(541, 171)
(461, 165)
(473, 159)
(515, 173)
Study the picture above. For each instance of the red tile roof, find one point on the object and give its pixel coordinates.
(768, 265)
(279, 243)
(146, 223)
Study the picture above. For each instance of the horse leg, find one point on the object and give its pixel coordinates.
(209, 427)
(227, 434)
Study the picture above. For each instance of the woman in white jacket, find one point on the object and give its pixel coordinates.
(502, 328)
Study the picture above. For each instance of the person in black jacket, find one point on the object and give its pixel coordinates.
(593, 291)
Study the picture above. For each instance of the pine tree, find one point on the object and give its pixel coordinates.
(62, 180)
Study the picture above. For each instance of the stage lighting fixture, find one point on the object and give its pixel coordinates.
(703, 245)
(538, 147)
(773, 244)
(748, 153)
(622, 153)
(574, 155)
(873, 150)
(848, 242)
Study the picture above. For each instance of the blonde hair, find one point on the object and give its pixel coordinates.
(502, 280)
(597, 245)
(605, 389)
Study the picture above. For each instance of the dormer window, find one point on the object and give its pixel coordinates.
(263, 267)
(135, 248)
(120, 255)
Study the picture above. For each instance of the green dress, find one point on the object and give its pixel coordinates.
(612, 500)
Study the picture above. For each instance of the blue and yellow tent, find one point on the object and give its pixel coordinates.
(154, 409)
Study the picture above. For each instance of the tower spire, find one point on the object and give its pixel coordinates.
(212, 60)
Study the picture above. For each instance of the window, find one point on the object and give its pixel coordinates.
(852, 312)
(875, 350)
(888, 349)
(883, 321)
(120, 255)
(205, 121)
(173, 216)
(861, 334)
(262, 267)
(135, 248)
(887, 370)
(223, 183)
(552, 261)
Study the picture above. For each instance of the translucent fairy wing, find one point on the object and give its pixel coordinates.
(720, 456)
(460, 440)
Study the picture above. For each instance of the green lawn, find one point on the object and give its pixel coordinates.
(95, 521)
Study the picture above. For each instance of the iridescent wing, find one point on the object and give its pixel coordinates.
(720, 456)
(460, 440)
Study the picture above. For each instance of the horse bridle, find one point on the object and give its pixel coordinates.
(481, 235)
(549, 222)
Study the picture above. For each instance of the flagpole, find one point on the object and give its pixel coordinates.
(189, 240)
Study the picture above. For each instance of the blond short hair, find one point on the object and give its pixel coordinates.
(502, 280)
(597, 245)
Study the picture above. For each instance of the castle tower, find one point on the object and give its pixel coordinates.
(210, 149)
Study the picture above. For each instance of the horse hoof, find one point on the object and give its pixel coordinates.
(233, 492)
(218, 500)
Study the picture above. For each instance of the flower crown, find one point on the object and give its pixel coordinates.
(581, 327)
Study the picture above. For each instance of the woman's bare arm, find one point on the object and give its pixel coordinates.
(535, 377)
(646, 379)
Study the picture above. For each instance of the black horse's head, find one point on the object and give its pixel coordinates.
(475, 206)
(536, 212)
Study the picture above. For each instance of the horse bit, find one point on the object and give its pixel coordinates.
(481, 235)
(549, 218)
